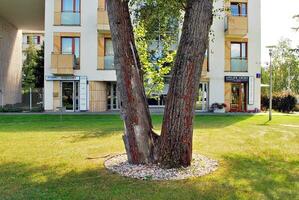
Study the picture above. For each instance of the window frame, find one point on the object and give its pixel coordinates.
(105, 42)
(240, 9)
(74, 7)
(241, 49)
(73, 48)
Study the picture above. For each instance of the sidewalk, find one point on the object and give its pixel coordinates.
(153, 111)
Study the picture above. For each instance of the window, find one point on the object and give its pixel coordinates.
(70, 6)
(33, 39)
(239, 9)
(70, 14)
(71, 45)
(239, 57)
(108, 47)
(239, 50)
(109, 54)
(207, 56)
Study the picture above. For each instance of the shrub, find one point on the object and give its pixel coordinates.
(265, 103)
(282, 102)
(11, 108)
(215, 106)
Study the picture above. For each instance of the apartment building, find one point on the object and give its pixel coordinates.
(35, 37)
(79, 71)
(16, 17)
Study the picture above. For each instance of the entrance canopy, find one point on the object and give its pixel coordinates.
(24, 14)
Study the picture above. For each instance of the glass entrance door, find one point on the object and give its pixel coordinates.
(112, 97)
(238, 97)
(67, 89)
(202, 101)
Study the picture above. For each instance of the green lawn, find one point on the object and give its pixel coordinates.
(42, 157)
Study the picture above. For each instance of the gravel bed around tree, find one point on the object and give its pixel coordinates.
(200, 166)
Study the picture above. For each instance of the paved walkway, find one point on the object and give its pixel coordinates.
(154, 111)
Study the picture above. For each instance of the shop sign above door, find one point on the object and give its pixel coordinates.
(237, 79)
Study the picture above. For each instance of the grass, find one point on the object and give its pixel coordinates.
(42, 157)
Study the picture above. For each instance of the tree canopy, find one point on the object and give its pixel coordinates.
(285, 68)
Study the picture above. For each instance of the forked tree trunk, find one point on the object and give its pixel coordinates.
(143, 146)
(138, 136)
(177, 128)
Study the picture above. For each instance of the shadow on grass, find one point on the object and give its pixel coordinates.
(246, 177)
(17, 181)
(91, 126)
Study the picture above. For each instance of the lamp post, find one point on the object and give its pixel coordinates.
(271, 85)
(1, 78)
(271, 81)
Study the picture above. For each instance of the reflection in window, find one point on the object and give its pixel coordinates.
(238, 9)
(239, 57)
(71, 45)
(70, 14)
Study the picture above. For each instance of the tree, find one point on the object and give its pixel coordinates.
(39, 68)
(174, 147)
(285, 68)
(33, 68)
(29, 66)
(156, 35)
(156, 60)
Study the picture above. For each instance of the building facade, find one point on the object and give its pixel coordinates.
(35, 37)
(10, 63)
(79, 71)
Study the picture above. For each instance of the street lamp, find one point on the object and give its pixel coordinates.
(271, 81)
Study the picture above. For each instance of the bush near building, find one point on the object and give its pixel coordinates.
(282, 102)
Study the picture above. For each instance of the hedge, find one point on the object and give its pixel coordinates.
(282, 102)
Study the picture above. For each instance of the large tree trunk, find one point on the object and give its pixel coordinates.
(174, 147)
(177, 128)
(138, 137)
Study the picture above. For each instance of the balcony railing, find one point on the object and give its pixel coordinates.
(70, 18)
(239, 65)
(106, 62)
(236, 25)
(63, 64)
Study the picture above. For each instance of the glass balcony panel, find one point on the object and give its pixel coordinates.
(70, 18)
(239, 65)
(109, 62)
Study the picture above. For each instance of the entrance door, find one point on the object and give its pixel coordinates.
(202, 101)
(238, 97)
(67, 89)
(112, 97)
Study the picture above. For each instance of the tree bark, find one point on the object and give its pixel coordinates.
(138, 136)
(174, 148)
(177, 128)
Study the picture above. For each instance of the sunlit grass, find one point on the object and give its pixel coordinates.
(42, 157)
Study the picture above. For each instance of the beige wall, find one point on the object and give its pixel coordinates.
(10, 63)
(97, 96)
(56, 95)
(228, 91)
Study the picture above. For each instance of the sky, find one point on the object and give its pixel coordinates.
(277, 22)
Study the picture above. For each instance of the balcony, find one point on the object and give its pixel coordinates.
(103, 21)
(106, 63)
(68, 18)
(63, 64)
(236, 26)
(239, 65)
